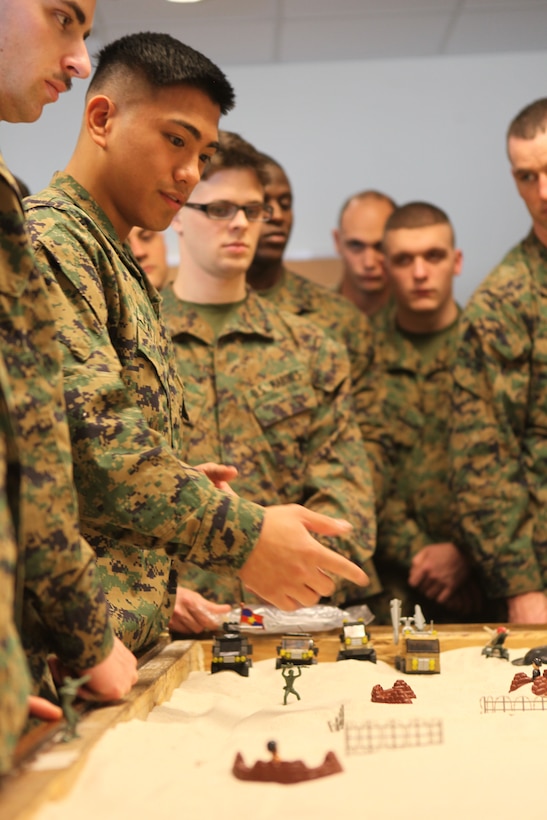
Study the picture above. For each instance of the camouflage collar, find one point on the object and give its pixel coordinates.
(252, 319)
(83, 199)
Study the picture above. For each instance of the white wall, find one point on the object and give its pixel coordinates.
(428, 129)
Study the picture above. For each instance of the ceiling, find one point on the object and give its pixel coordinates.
(241, 32)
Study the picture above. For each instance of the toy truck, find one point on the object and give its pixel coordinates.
(231, 650)
(355, 642)
(421, 654)
(296, 649)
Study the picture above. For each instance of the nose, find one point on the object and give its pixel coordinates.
(239, 219)
(369, 257)
(78, 64)
(277, 211)
(419, 270)
(189, 171)
(138, 249)
(542, 184)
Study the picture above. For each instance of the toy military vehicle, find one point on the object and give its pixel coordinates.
(296, 649)
(231, 650)
(355, 642)
(421, 651)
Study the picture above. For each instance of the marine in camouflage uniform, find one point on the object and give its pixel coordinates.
(418, 509)
(271, 396)
(499, 442)
(139, 503)
(60, 605)
(347, 325)
(415, 351)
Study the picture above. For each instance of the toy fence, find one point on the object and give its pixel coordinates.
(371, 736)
(505, 703)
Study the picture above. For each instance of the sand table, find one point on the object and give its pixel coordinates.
(178, 762)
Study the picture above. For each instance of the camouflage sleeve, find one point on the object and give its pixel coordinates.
(131, 485)
(493, 445)
(400, 536)
(60, 578)
(366, 389)
(337, 476)
(14, 675)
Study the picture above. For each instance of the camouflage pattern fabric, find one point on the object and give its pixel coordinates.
(343, 322)
(499, 432)
(272, 397)
(62, 594)
(15, 682)
(418, 509)
(139, 503)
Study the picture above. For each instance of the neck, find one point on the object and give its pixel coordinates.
(86, 173)
(264, 275)
(203, 289)
(369, 303)
(541, 233)
(427, 322)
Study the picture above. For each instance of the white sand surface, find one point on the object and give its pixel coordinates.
(178, 762)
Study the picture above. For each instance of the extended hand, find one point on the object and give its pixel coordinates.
(193, 613)
(288, 567)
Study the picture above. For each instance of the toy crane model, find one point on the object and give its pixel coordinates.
(420, 645)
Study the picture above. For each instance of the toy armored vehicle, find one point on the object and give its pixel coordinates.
(420, 648)
(296, 649)
(355, 642)
(231, 650)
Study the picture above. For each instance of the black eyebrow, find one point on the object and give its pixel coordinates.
(77, 9)
(195, 132)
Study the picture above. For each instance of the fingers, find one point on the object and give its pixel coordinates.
(335, 564)
(218, 473)
(323, 524)
(43, 709)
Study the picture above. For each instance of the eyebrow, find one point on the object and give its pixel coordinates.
(77, 9)
(195, 132)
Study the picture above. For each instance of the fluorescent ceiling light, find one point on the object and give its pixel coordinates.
(184, 1)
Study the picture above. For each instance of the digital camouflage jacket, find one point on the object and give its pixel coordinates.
(54, 596)
(499, 434)
(343, 322)
(139, 502)
(272, 397)
(416, 396)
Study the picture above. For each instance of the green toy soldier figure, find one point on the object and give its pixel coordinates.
(289, 675)
(68, 692)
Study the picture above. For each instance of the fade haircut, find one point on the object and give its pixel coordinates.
(160, 61)
(417, 215)
(363, 196)
(530, 121)
(235, 153)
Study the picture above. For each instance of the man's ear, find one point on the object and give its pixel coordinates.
(100, 111)
(458, 261)
(336, 239)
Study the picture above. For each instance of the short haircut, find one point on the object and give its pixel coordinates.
(235, 153)
(161, 61)
(363, 196)
(417, 215)
(530, 121)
